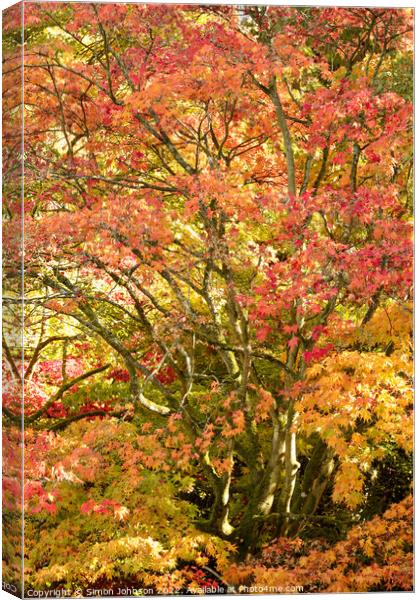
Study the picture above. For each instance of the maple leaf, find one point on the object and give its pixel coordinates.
(121, 513)
(293, 342)
(263, 333)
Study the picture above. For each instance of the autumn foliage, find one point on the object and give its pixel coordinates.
(376, 556)
(217, 359)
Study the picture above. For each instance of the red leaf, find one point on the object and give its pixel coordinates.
(293, 342)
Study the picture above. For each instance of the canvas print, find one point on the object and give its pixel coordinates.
(207, 299)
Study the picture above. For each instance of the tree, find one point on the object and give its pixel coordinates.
(218, 204)
(375, 556)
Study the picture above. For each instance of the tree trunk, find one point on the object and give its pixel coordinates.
(291, 468)
(317, 474)
(262, 496)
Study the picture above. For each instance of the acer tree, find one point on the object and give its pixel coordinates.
(376, 556)
(218, 246)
